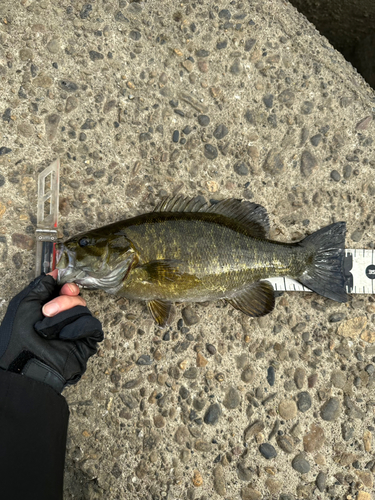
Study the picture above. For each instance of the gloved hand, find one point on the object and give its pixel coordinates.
(52, 349)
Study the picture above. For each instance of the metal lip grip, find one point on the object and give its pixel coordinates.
(47, 218)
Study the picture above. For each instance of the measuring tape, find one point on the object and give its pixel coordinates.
(359, 270)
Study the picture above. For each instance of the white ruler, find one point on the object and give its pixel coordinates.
(359, 271)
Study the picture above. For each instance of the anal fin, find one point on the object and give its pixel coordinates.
(160, 311)
(257, 299)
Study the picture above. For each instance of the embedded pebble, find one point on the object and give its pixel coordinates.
(212, 414)
(203, 120)
(268, 451)
(271, 375)
(219, 480)
(210, 151)
(189, 315)
(331, 409)
(231, 399)
(314, 440)
(300, 464)
(220, 132)
(320, 481)
(287, 409)
(286, 443)
(303, 401)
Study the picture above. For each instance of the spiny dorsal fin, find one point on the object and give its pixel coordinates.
(160, 311)
(181, 204)
(255, 300)
(249, 214)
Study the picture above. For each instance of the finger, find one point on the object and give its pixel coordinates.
(69, 289)
(54, 273)
(62, 303)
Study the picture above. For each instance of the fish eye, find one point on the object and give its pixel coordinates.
(83, 242)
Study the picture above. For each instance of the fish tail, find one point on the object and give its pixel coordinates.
(325, 271)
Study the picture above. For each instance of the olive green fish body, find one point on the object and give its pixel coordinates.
(189, 251)
(203, 257)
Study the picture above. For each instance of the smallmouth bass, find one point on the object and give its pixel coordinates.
(189, 251)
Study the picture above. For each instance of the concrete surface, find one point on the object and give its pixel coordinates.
(104, 86)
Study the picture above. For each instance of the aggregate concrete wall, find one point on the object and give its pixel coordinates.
(220, 405)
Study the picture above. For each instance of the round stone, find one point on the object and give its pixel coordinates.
(211, 417)
(203, 120)
(267, 450)
(286, 443)
(330, 410)
(210, 152)
(220, 132)
(232, 398)
(335, 175)
(287, 409)
(300, 464)
(247, 375)
(303, 401)
(241, 169)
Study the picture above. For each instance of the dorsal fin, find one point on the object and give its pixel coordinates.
(251, 215)
(181, 204)
(247, 213)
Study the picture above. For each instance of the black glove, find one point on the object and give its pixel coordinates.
(52, 350)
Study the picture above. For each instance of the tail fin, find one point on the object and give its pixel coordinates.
(325, 274)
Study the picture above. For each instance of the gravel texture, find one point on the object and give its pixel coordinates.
(215, 99)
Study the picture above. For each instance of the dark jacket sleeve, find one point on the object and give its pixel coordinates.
(33, 427)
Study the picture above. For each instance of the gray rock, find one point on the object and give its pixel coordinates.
(95, 56)
(191, 373)
(89, 124)
(51, 124)
(210, 152)
(235, 68)
(316, 139)
(287, 97)
(219, 480)
(308, 163)
(267, 450)
(203, 120)
(212, 415)
(300, 464)
(320, 481)
(244, 472)
(286, 443)
(303, 401)
(241, 169)
(307, 107)
(145, 360)
(331, 410)
(71, 104)
(271, 375)
(85, 11)
(249, 44)
(4, 150)
(68, 86)
(220, 132)
(231, 399)
(335, 175)
(247, 375)
(135, 35)
(274, 163)
(268, 100)
(189, 315)
(299, 377)
(357, 235)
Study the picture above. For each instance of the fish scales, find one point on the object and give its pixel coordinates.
(188, 251)
(221, 258)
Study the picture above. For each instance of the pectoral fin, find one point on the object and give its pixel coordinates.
(160, 311)
(255, 300)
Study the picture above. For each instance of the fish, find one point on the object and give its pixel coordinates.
(188, 250)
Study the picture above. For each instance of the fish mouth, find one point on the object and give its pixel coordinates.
(65, 264)
(109, 280)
